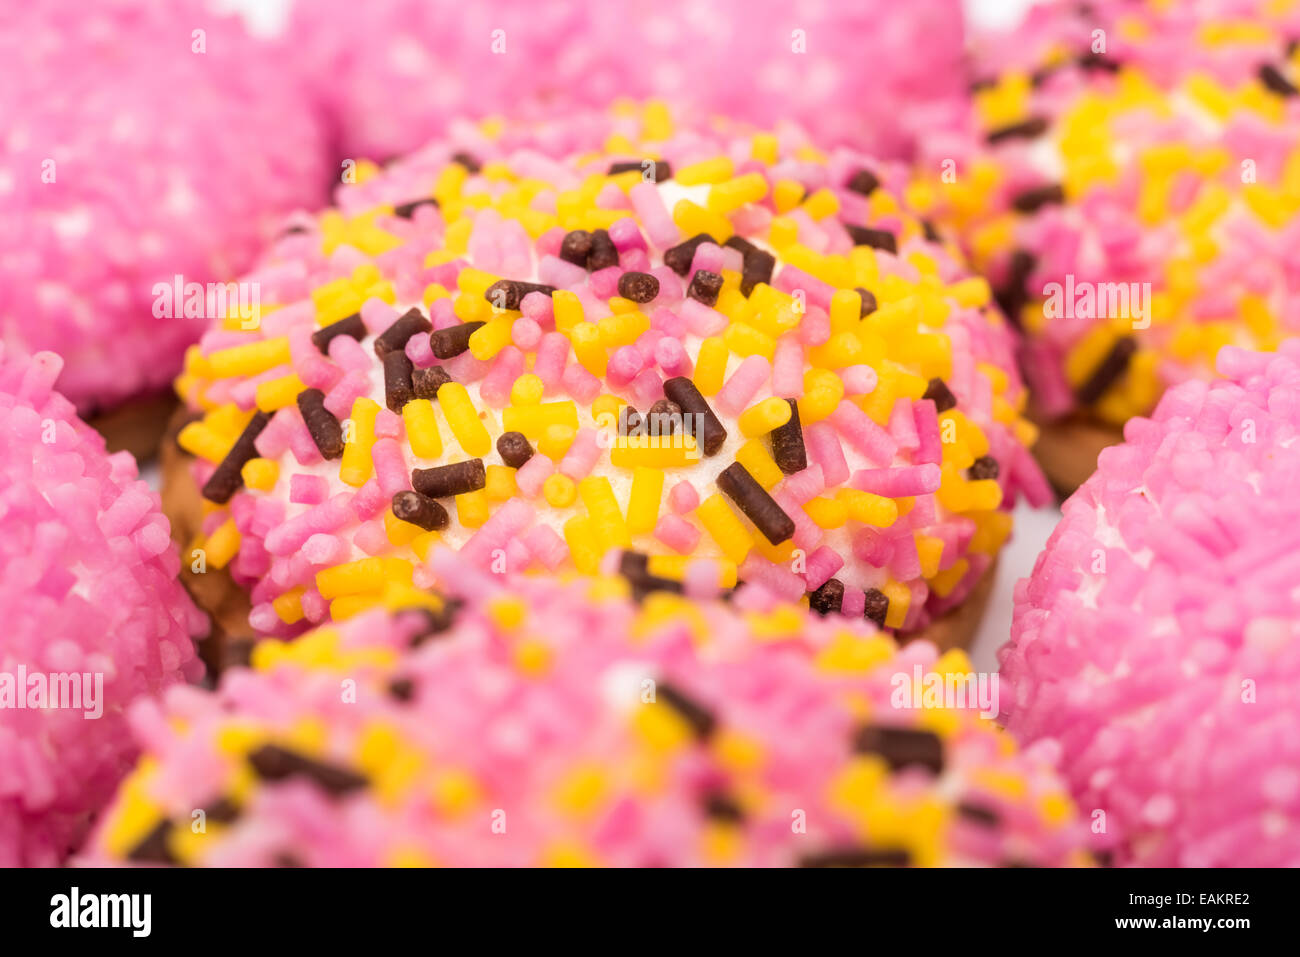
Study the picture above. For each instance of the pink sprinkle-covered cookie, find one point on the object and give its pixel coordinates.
(546, 344)
(393, 72)
(1158, 640)
(93, 615)
(143, 142)
(555, 722)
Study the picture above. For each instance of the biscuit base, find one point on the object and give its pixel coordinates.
(137, 425)
(228, 606)
(1067, 450)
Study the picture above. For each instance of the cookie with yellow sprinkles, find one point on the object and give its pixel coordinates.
(692, 353)
(558, 723)
(1133, 200)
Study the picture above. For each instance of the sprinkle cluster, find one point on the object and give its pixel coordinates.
(554, 722)
(87, 587)
(142, 141)
(1134, 196)
(1156, 641)
(664, 346)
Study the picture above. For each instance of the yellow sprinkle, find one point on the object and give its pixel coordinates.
(765, 148)
(355, 467)
(731, 195)
(706, 172)
(827, 512)
(222, 545)
(692, 219)
(787, 194)
(581, 539)
(278, 393)
(711, 367)
(361, 576)
(462, 418)
(588, 348)
(753, 455)
(472, 508)
(821, 204)
(198, 439)
(534, 420)
(568, 310)
(643, 501)
(771, 413)
(560, 490)
(900, 601)
(250, 359)
(555, 441)
(607, 519)
(527, 390)
(422, 428)
(261, 474)
(289, 605)
(725, 527)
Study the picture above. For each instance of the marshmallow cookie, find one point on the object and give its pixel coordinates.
(93, 615)
(548, 722)
(149, 151)
(1133, 202)
(649, 346)
(1158, 639)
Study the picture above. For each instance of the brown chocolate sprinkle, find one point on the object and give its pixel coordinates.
(1033, 200)
(228, 477)
(401, 689)
(662, 169)
(1273, 79)
(869, 303)
(679, 258)
(984, 467)
(630, 421)
(720, 807)
(901, 747)
(828, 599)
(930, 231)
(274, 763)
(1012, 297)
(407, 210)
(153, 849)
(875, 238)
(444, 481)
(635, 567)
(1108, 372)
(787, 443)
(452, 341)
(420, 510)
(286, 859)
(864, 181)
(395, 337)
(858, 857)
(324, 428)
(757, 264)
(638, 286)
(697, 716)
(876, 607)
(427, 382)
(294, 230)
(711, 431)
(752, 499)
(665, 417)
(509, 293)
(937, 391)
(576, 247)
(604, 253)
(1025, 130)
(351, 326)
(1096, 61)
(704, 287)
(222, 810)
(978, 814)
(514, 449)
(237, 653)
(467, 160)
(398, 386)
(433, 623)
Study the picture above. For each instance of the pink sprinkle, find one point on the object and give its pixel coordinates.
(702, 320)
(781, 582)
(348, 389)
(788, 368)
(929, 446)
(390, 467)
(264, 619)
(329, 516)
(582, 455)
(322, 549)
(863, 434)
(671, 289)
(749, 376)
(301, 444)
(580, 383)
(825, 450)
(700, 583)
(808, 535)
(648, 387)
(506, 368)
(314, 607)
(624, 365)
(548, 364)
(635, 260)
(377, 315)
(677, 533)
(821, 565)
(611, 197)
(806, 484)
(604, 282)
(369, 500)
(858, 380)
(388, 425)
(815, 328)
(683, 497)
(650, 209)
(539, 307)
(497, 532)
(817, 293)
(546, 546)
(349, 354)
(532, 474)
(554, 271)
(671, 357)
(626, 235)
(371, 538)
(419, 349)
(898, 482)
(854, 604)
(708, 256)
(902, 425)
(274, 439)
(526, 333)
(317, 372)
(307, 489)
